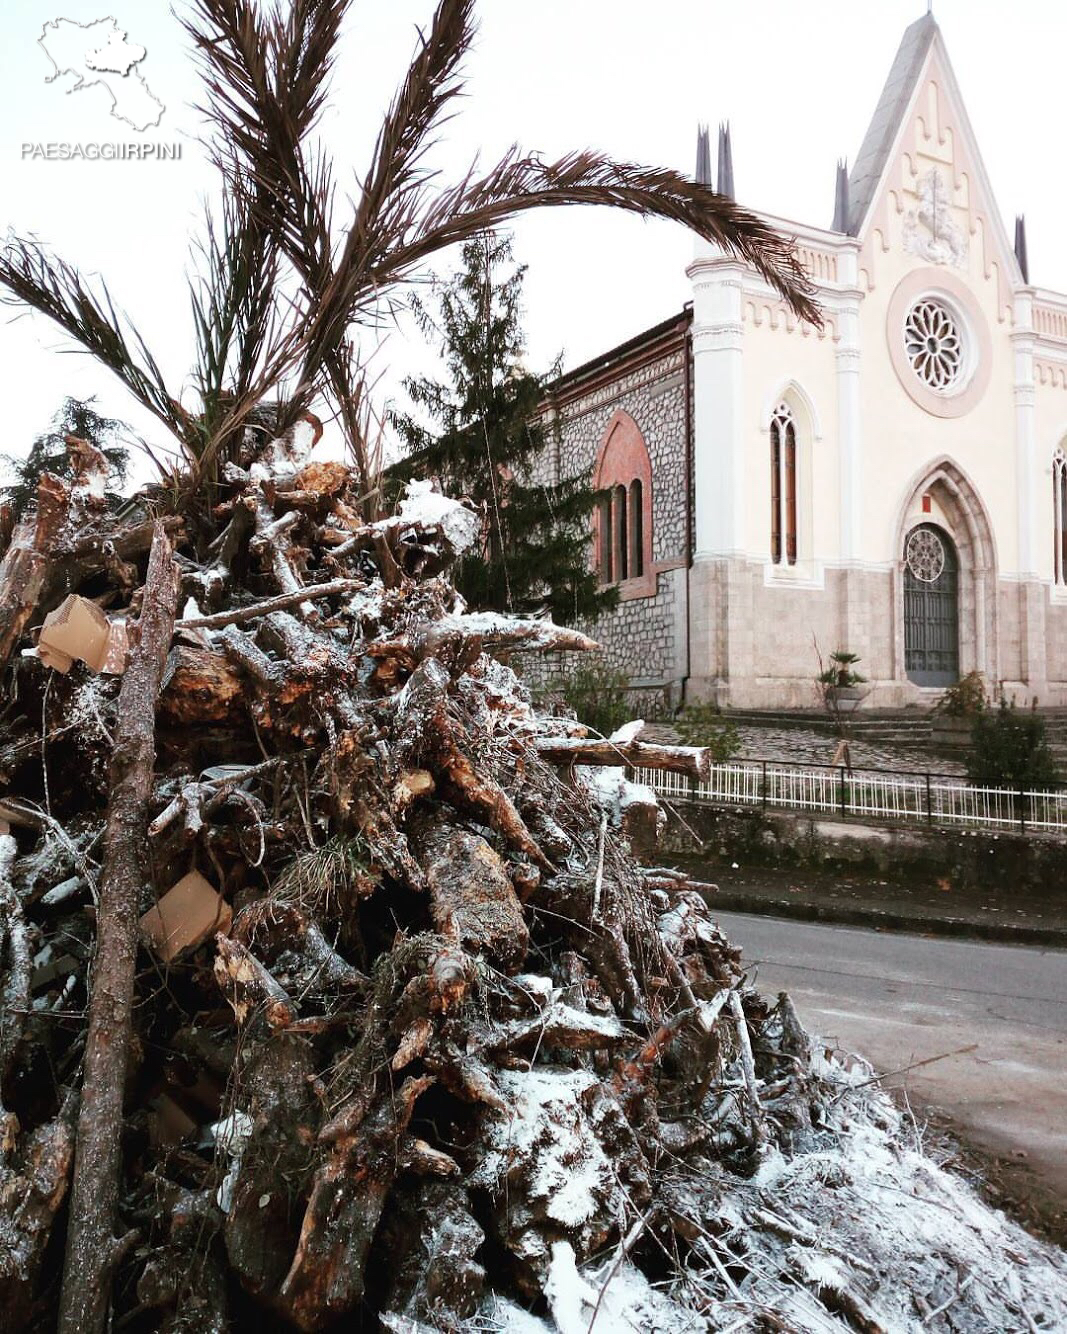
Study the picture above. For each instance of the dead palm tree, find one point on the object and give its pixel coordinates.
(284, 283)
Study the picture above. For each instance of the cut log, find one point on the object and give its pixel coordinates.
(326, 1278)
(24, 570)
(91, 551)
(238, 615)
(472, 900)
(249, 987)
(692, 761)
(199, 686)
(34, 1177)
(497, 633)
(268, 545)
(16, 960)
(92, 1248)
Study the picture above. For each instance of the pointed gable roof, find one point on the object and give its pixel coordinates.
(922, 54)
(892, 107)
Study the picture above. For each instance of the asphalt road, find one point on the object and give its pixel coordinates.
(897, 999)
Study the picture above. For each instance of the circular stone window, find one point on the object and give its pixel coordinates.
(937, 337)
(933, 341)
(925, 555)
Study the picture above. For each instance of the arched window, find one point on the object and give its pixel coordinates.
(1059, 516)
(619, 558)
(636, 526)
(783, 486)
(623, 514)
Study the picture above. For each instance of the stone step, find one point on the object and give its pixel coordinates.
(870, 726)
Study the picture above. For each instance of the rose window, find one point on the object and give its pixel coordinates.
(934, 344)
(925, 555)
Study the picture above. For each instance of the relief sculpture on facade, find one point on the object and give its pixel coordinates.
(930, 231)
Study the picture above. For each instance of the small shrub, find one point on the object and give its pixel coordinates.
(832, 678)
(599, 696)
(704, 725)
(840, 673)
(1009, 749)
(966, 699)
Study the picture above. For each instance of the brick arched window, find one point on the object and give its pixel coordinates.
(623, 516)
(1059, 516)
(783, 486)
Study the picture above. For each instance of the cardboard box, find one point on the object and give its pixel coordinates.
(77, 629)
(185, 916)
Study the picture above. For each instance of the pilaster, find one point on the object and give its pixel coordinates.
(848, 364)
(1025, 434)
(719, 458)
(1032, 647)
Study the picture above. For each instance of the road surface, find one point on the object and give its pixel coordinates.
(899, 998)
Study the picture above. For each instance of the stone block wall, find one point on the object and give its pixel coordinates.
(1056, 621)
(646, 635)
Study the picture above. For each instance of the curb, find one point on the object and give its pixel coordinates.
(958, 927)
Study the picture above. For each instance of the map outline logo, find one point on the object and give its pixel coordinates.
(99, 54)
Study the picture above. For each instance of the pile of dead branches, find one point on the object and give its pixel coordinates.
(334, 995)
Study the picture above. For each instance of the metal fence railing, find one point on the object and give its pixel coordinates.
(917, 798)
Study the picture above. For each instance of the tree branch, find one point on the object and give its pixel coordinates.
(91, 1243)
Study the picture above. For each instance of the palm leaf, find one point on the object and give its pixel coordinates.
(49, 285)
(278, 288)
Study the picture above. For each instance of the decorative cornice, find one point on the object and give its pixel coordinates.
(761, 307)
(702, 332)
(655, 344)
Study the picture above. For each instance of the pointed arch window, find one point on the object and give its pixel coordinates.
(1059, 516)
(783, 486)
(620, 564)
(622, 538)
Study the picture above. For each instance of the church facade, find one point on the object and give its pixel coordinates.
(893, 484)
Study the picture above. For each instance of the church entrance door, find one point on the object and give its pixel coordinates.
(931, 607)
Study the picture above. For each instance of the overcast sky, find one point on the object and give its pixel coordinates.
(798, 79)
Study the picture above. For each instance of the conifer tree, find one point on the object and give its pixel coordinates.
(48, 453)
(487, 440)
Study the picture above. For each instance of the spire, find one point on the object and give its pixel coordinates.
(840, 222)
(1020, 247)
(703, 173)
(870, 164)
(726, 163)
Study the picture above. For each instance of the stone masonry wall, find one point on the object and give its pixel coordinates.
(644, 636)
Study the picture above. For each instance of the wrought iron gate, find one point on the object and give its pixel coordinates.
(931, 607)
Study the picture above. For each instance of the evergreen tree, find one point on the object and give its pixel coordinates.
(48, 453)
(486, 441)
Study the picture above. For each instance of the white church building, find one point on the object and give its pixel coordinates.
(893, 484)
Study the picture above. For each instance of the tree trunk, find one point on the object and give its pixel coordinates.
(92, 1248)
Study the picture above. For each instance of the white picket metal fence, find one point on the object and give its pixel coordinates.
(916, 798)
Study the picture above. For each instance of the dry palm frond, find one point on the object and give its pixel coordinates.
(518, 183)
(282, 288)
(249, 336)
(37, 279)
(395, 184)
(266, 75)
(402, 219)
